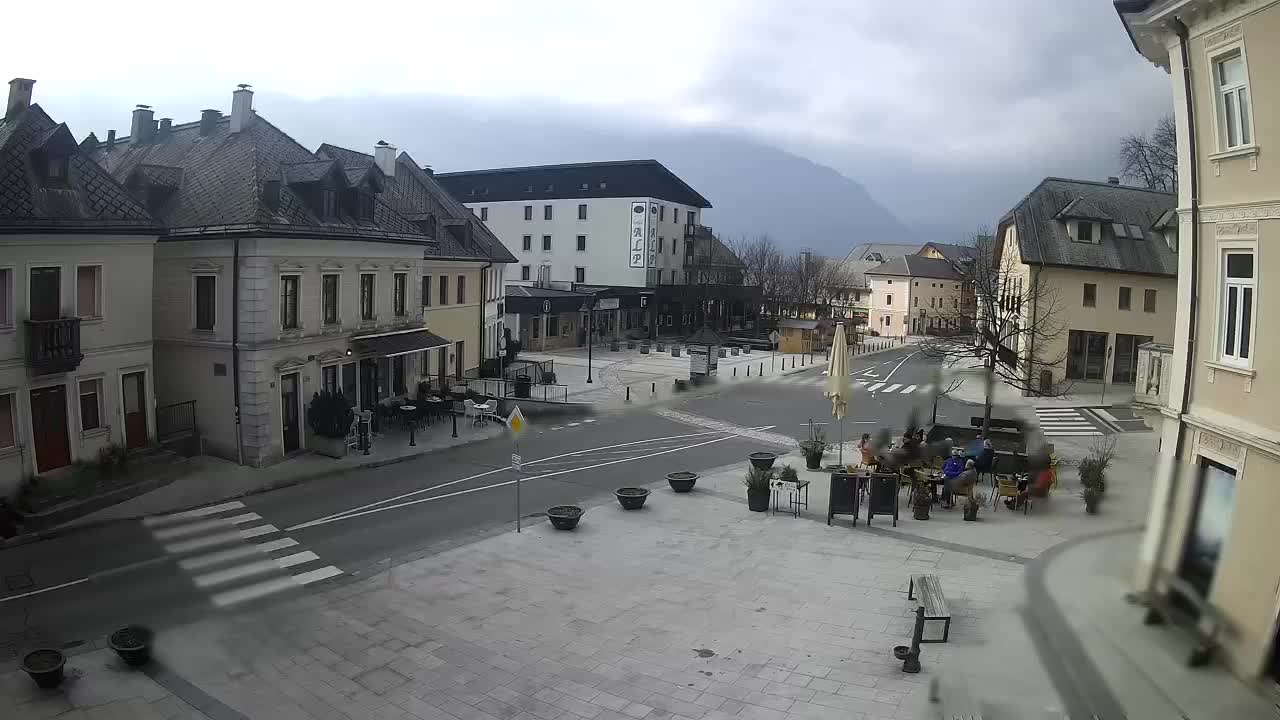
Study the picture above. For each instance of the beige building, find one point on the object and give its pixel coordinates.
(76, 368)
(282, 272)
(1095, 266)
(919, 295)
(1216, 499)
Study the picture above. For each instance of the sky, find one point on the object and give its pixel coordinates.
(946, 111)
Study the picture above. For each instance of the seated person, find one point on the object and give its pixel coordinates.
(953, 466)
(964, 482)
(974, 449)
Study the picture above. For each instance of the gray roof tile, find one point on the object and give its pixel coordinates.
(918, 266)
(1043, 238)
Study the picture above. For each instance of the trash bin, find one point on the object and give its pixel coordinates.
(523, 386)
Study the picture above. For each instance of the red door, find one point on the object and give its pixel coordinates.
(49, 428)
(135, 409)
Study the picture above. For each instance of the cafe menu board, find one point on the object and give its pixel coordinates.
(843, 499)
(882, 496)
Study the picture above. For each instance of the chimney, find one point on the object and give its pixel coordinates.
(1113, 180)
(385, 157)
(111, 138)
(143, 126)
(19, 96)
(166, 124)
(207, 120)
(428, 170)
(241, 108)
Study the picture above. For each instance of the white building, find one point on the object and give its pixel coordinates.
(75, 301)
(581, 220)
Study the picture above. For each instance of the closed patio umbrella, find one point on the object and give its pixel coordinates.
(838, 381)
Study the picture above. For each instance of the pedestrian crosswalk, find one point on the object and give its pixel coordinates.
(234, 555)
(1066, 422)
(812, 380)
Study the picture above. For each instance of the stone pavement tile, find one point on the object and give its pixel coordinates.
(788, 691)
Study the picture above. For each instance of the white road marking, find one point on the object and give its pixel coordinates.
(272, 586)
(900, 363)
(893, 388)
(875, 387)
(258, 531)
(209, 541)
(316, 575)
(198, 527)
(909, 389)
(353, 514)
(411, 493)
(217, 558)
(191, 514)
(239, 572)
(861, 383)
(1065, 433)
(44, 590)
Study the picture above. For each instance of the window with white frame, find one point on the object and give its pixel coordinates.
(1232, 85)
(289, 301)
(8, 422)
(1237, 317)
(399, 289)
(580, 274)
(329, 378)
(366, 296)
(329, 298)
(6, 297)
(90, 404)
(89, 291)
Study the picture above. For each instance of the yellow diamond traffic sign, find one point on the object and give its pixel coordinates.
(516, 422)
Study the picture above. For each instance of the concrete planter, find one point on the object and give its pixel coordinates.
(675, 351)
(631, 498)
(45, 667)
(722, 352)
(564, 517)
(683, 481)
(331, 447)
(735, 350)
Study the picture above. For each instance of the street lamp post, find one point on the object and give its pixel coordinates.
(590, 308)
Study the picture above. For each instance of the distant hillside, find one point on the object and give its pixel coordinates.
(753, 188)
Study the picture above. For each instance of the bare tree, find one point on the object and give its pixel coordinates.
(1006, 319)
(1152, 160)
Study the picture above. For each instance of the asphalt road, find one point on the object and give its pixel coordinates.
(89, 582)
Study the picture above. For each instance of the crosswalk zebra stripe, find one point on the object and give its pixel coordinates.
(199, 527)
(875, 387)
(191, 514)
(221, 556)
(1058, 412)
(908, 389)
(861, 383)
(893, 388)
(1073, 433)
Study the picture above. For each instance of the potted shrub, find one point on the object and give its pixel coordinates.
(814, 447)
(631, 344)
(762, 460)
(1092, 497)
(564, 517)
(330, 416)
(613, 345)
(675, 351)
(549, 378)
(45, 666)
(735, 350)
(683, 481)
(132, 644)
(757, 482)
(921, 497)
(971, 507)
(662, 346)
(644, 348)
(631, 498)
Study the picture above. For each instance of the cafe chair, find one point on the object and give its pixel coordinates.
(1007, 488)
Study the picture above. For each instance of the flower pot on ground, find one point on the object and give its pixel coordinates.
(45, 667)
(644, 349)
(564, 517)
(814, 446)
(132, 644)
(757, 482)
(631, 498)
(1092, 499)
(675, 351)
(329, 415)
(683, 481)
(613, 345)
(920, 509)
(662, 347)
(762, 460)
(971, 509)
(631, 344)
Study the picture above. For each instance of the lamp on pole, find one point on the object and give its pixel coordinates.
(589, 307)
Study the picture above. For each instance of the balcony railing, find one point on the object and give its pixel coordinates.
(53, 346)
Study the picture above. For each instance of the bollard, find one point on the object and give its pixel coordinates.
(454, 415)
(628, 395)
(735, 372)
(412, 425)
(653, 388)
(761, 373)
(748, 371)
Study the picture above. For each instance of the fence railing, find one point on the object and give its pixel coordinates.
(175, 420)
(499, 388)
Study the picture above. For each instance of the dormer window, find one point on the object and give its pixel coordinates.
(1084, 231)
(365, 201)
(328, 203)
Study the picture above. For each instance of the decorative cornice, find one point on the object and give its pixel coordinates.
(1246, 229)
(205, 267)
(367, 265)
(290, 363)
(1223, 36)
(330, 355)
(331, 264)
(402, 267)
(290, 266)
(1249, 212)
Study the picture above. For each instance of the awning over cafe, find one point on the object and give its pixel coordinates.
(400, 343)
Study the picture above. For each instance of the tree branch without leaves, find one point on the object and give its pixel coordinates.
(1152, 161)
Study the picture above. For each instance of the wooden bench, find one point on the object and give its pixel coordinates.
(1202, 620)
(933, 601)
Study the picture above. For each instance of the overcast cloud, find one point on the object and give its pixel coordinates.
(945, 111)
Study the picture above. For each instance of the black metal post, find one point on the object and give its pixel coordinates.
(454, 415)
(591, 315)
(412, 425)
(911, 663)
(628, 393)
